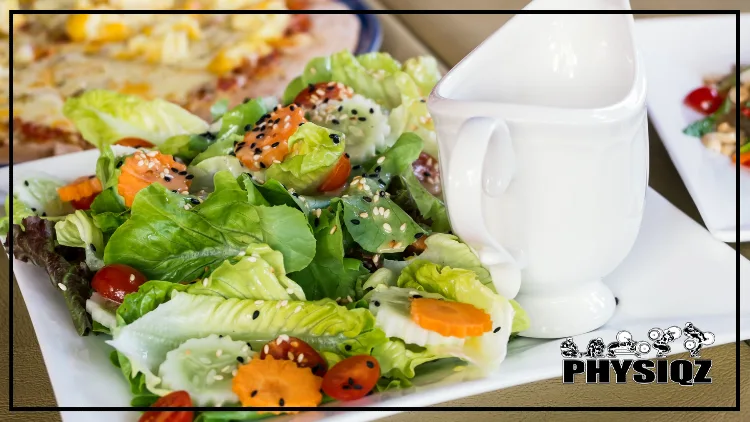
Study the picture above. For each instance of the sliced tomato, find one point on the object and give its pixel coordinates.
(294, 349)
(704, 100)
(135, 143)
(83, 203)
(114, 281)
(745, 112)
(173, 399)
(352, 378)
(322, 92)
(338, 176)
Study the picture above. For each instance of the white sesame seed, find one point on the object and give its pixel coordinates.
(349, 298)
(256, 157)
(363, 215)
(284, 303)
(344, 196)
(226, 369)
(186, 206)
(204, 360)
(62, 286)
(376, 258)
(380, 160)
(185, 192)
(282, 338)
(301, 357)
(333, 230)
(318, 212)
(152, 153)
(252, 258)
(397, 245)
(320, 92)
(387, 213)
(276, 162)
(241, 253)
(140, 163)
(298, 308)
(265, 348)
(286, 118)
(375, 211)
(150, 164)
(218, 377)
(313, 71)
(234, 373)
(403, 227)
(376, 198)
(276, 126)
(290, 290)
(387, 227)
(219, 352)
(258, 302)
(205, 282)
(132, 277)
(266, 148)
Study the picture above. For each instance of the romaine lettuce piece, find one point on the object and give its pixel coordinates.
(104, 117)
(424, 71)
(242, 116)
(38, 191)
(361, 120)
(205, 170)
(79, 231)
(412, 115)
(395, 160)
(204, 367)
(400, 361)
(220, 148)
(20, 211)
(324, 325)
(314, 151)
(447, 250)
(167, 242)
(185, 147)
(258, 274)
(149, 295)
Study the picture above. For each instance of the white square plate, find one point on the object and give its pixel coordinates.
(678, 52)
(675, 273)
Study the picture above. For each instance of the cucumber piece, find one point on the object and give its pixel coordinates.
(204, 367)
(361, 120)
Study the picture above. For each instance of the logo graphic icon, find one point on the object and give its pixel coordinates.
(595, 348)
(696, 339)
(569, 348)
(626, 346)
(662, 338)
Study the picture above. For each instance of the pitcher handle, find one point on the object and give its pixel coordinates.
(466, 190)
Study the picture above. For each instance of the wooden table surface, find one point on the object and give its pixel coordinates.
(450, 37)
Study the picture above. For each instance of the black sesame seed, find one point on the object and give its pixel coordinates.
(240, 359)
(183, 173)
(168, 178)
(427, 174)
(317, 221)
(281, 402)
(275, 108)
(362, 119)
(417, 296)
(174, 170)
(367, 198)
(325, 100)
(246, 100)
(119, 164)
(381, 182)
(357, 167)
(354, 112)
(252, 145)
(382, 194)
(310, 88)
(93, 248)
(376, 303)
(247, 127)
(355, 221)
(195, 201)
(221, 335)
(377, 169)
(346, 154)
(262, 165)
(418, 235)
(241, 144)
(256, 314)
(249, 345)
(189, 176)
(260, 136)
(370, 364)
(346, 387)
(335, 138)
(302, 123)
(44, 214)
(357, 387)
(278, 119)
(274, 145)
(335, 122)
(256, 128)
(258, 150)
(295, 194)
(292, 107)
(372, 111)
(253, 393)
(496, 329)
(174, 190)
(33, 210)
(234, 154)
(348, 348)
(340, 109)
(373, 175)
(350, 381)
(422, 100)
(26, 183)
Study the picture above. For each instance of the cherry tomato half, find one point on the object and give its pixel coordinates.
(83, 203)
(337, 177)
(745, 111)
(174, 399)
(135, 143)
(114, 281)
(704, 100)
(352, 378)
(294, 349)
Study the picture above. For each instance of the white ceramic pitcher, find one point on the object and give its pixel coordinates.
(544, 150)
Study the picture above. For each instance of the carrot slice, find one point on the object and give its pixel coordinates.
(268, 142)
(451, 319)
(744, 157)
(142, 169)
(135, 143)
(269, 382)
(83, 187)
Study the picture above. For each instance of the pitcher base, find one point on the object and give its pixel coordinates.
(573, 312)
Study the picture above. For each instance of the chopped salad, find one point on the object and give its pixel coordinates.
(292, 252)
(717, 100)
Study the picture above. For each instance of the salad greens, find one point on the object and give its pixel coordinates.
(221, 261)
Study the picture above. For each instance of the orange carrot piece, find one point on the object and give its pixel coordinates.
(451, 319)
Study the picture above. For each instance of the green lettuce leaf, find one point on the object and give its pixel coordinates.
(167, 242)
(412, 114)
(276, 194)
(396, 160)
(424, 71)
(148, 297)
(104, 117)
(222, 147)
(185, 147)
(65, 267)
(219, 108)
(20, 211)
(258, 274)
(399, 361)
(447, 250)
(205, 171)
(329, 275)
(238, 118)
(79, 231)
(323, 325)
(409, 193)
(314, 151)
